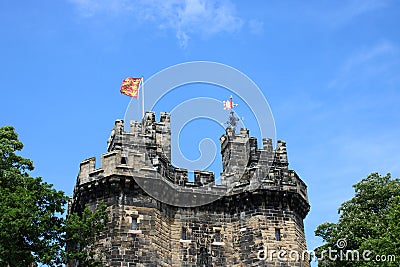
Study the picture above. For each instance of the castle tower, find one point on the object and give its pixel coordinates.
(260, 213)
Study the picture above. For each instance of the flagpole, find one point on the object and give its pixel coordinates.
(142, 97)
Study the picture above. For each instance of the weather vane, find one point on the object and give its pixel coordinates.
(229, 105)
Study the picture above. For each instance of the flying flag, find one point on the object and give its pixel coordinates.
(130, 87)
(229, 104)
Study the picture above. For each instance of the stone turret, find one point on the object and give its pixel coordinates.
(260, 203)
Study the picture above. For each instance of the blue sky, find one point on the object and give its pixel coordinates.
(330, 71)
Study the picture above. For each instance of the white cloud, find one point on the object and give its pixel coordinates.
(378, 61)
(375, 152)
(185, 17)
(90, 8)
(256, 26)
(355, 8)
(365, 55)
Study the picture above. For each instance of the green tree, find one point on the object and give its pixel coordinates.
(33, 228)
(368, 222)
(81, 231)
(31, 223)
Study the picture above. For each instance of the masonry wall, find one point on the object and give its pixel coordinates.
(246, 225)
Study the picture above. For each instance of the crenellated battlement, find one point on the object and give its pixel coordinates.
(147, 148)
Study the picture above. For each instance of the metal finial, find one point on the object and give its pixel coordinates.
(232, 120)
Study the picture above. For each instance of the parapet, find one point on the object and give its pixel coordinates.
(86, 167)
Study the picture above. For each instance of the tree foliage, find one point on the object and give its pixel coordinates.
(31, 223)
(81, 231)
(368, 222)
(32, 226)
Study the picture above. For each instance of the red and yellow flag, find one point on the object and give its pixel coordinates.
(130, 87)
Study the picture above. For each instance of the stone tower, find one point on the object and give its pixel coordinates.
(256, 212)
